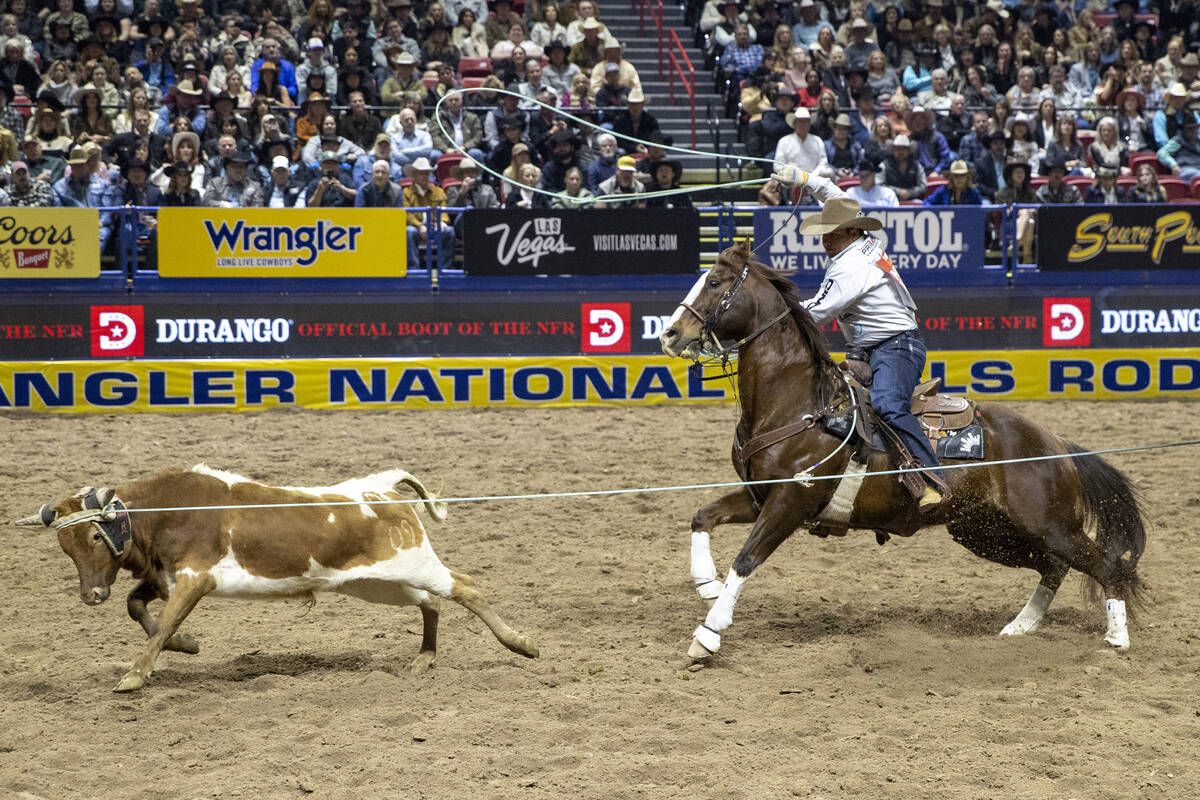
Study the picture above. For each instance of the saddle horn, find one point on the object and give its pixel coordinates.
(44, 517)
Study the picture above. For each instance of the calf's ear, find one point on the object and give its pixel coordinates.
(104, 496)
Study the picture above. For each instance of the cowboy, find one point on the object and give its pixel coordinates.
(470, 192)
(421, 194)
(235, 189)
(875, 312)
(333, 188)
(25, 192)
(380, 191)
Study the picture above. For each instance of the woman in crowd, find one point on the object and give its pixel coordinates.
(783, 45)
(435, 14)
(1108, 150)
(439, 48)
(227, 63)
(665, 175)
(821, 50)
(138, 99)
(1082, 34)
(1004, 74)
(48, 125)
(1001, 115)
(318, 22)
(1049, 59)
(523, 195)
(185, 151)
(810, 94)
(236, 87)
(1148, 189)
(469, 36)
(1129, 58)
(1067, 148)
(178, 182)
(1046, 126)
(110, 95)
(580, 101)
(1132, 126)
(60, 82)
(89, 123)
(898, 114)
(1018, 189)
(270, 87)
(520, 156)
(877, 148)
(1022, 147)
(796, 74)
(824, 115)
(958, 189)
(881, 77)
(575, 194)
(548, 29)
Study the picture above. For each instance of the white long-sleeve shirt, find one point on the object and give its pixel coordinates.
(862, 288)
(808, 155)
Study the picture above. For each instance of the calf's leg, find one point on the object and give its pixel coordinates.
(464, 592)
(188, 591)
(142, 594)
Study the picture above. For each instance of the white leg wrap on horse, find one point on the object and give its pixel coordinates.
(704, 571)
(1031, 615)
(1117, 634)
(720, 616)
(709, 639)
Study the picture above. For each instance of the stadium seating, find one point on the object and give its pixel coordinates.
(1195, 189)
(1177, 188)
(932, 184)
(845, 183)
(430, 81)
(445, 164)
(475, 67)
(1145, 157)
(472, 82)
(1081, 181)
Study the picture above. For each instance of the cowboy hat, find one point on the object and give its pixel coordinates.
(315, 97)
(183, 136)
(456, 171)
(420, 165)
(178, 166)
(959, 167)
(1125, 94)
(838, 214)
(52, 101)
(1010, 166)
(185, 86)
(676, 167)
(635, 95)
(78, 157)
(842, 120)
(84, 91)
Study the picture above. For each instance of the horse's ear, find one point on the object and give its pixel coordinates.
(743, 248)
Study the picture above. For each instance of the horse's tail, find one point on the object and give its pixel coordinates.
(1111, 503)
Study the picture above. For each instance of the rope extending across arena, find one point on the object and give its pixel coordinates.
(801, 478)
(437, 117)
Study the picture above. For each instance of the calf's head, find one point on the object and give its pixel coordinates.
(94, 529)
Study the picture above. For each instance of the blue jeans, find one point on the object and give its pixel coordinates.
(897, 364)
(445, 251)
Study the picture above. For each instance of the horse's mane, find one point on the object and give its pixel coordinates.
(824, 368)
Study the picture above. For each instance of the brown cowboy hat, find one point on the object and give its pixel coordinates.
(838, 214)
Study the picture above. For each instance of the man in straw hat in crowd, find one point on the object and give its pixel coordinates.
(1169, 119)
(876, 313)
(423, 194)
(470, 192)
(84, 187)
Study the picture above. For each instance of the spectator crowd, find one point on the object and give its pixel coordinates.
(1066, 101)
(294, 104)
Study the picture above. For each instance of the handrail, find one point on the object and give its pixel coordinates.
(672, 44)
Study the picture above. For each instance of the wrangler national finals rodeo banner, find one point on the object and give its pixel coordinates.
(944, 244)
(282, 243)
(50, 243)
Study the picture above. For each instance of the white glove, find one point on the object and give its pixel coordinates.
(790, 175)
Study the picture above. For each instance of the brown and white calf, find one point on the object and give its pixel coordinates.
(376, 552)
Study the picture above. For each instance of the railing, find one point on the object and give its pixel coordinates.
(669, 39)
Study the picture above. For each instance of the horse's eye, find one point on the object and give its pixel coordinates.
(714, 284)
(95, 537)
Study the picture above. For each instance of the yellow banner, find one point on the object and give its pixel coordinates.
(282, 243)
(235, 385)
(49, 243)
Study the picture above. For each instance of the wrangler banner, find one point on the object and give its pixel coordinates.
(50, 243)
(241, 385)
(1139, 237)
(930, 245)
(282, 243)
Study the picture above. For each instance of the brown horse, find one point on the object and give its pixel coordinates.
(1031, 515)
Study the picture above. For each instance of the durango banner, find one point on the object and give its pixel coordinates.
(282, 243)
(1137, 237)
(938, 246)
(50, 243)
(241, 385)
(602, 241)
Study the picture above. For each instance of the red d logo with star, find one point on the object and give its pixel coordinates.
(117, 331)
(605, 327)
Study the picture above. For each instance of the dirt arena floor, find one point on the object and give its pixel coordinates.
(851, 670)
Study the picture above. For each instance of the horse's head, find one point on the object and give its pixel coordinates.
(720, 307)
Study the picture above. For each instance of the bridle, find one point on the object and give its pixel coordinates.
(709, 322)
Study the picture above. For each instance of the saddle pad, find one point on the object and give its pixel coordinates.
(965, 444)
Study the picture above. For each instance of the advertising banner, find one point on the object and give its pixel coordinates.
(50, 243)
(241, 385)
(601, 241)
(281, 243)
(608, 323)
(1135, 237)
(928, 244)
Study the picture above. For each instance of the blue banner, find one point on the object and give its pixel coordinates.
(932, 246)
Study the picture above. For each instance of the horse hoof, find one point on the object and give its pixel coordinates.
(130, 683)
(182, 643)
(1018, 628)
(698, 652)
(1117, 641)
(422, 663)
